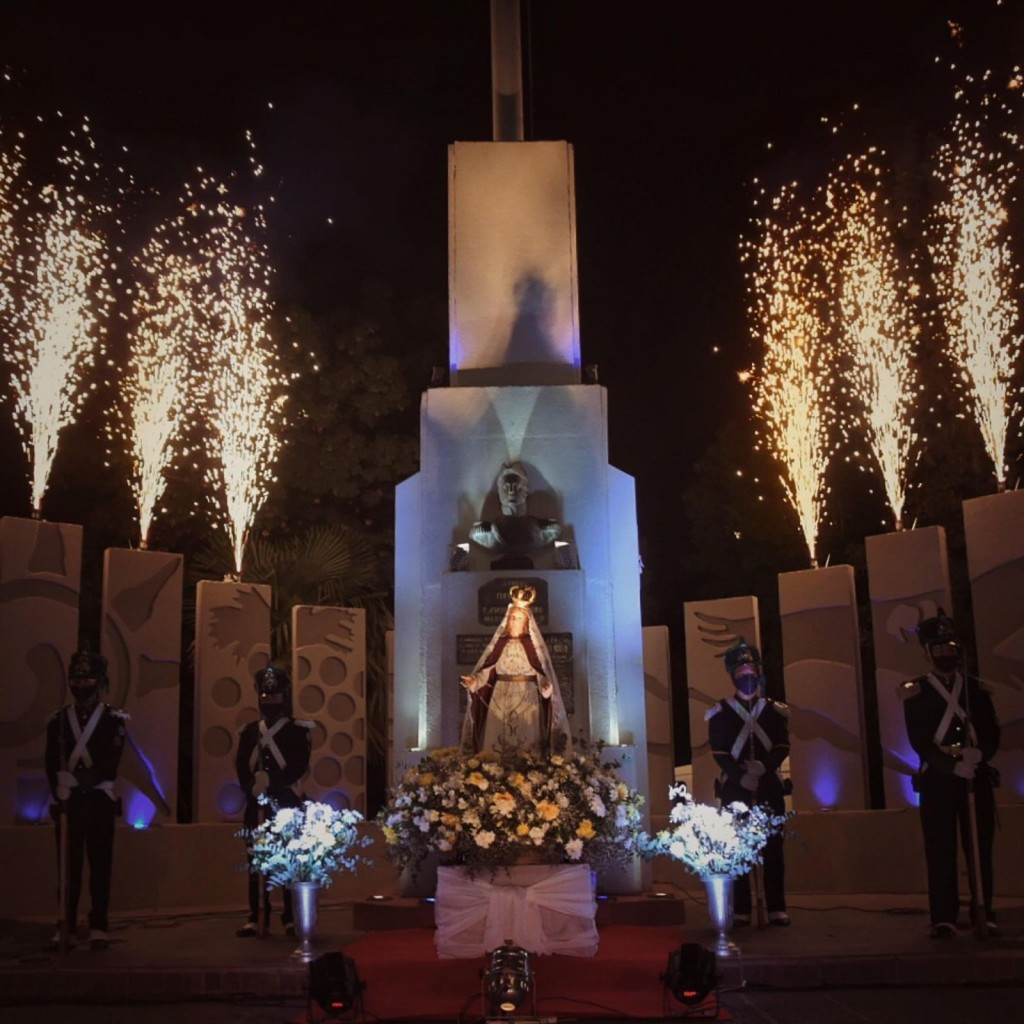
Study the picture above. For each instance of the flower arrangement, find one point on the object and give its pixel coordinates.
(483, 811)
(306, 844)
(713, 841)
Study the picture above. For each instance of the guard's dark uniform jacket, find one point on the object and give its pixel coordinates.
(757, 730)
(934, 710)
(88, 744)
(282, 750)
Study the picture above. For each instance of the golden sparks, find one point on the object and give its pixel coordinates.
(242, 379)
(875, 320)
(161, 384)
(57, 316)
(790, 315)
(975, 274)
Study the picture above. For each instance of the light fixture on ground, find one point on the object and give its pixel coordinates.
(508, 982)
(691, 974)
(334, 985)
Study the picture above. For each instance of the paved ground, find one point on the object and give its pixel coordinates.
(840, 1006)
(864, 959)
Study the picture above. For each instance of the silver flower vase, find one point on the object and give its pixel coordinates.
(304, 903)
(719, 889)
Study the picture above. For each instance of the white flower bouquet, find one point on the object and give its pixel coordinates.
(712, 841)
(306, 844)
(487, 811)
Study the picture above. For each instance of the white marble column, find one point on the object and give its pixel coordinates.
(821, 664)
(908, 577)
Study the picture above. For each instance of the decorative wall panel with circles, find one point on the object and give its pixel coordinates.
(232, 644)
(329, 669)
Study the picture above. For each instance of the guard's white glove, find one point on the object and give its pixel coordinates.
(972, 755)
(260, 783)
(965, 769)
(755, 768)
(65, 783)
(750, 781)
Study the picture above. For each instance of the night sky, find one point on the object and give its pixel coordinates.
(669, 106)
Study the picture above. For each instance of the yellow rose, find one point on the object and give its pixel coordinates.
(522, 829)
(426, 778)
(477, 779)
(390, 835)
(586, 829)
(547, 810)
(504, 803)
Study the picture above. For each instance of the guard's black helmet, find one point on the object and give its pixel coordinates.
(87, 664)
(936, 630)
(742, 654)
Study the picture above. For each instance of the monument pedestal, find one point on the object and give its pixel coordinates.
(547, 908)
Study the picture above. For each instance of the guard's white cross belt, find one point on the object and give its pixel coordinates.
(953, 708)
(266, 742)
(80, 751)
(750, 726)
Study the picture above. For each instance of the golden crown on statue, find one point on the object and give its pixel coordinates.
(522, 597)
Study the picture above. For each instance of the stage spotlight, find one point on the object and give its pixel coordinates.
(508, 983)
(334, 984)
(691, 973)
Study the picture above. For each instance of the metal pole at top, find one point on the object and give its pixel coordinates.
(506, 72)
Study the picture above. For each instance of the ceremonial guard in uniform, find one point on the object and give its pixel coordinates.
(749, 738)
(952, 726)
(273, 757)
(84, 741)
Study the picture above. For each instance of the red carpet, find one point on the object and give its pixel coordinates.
(406, 980)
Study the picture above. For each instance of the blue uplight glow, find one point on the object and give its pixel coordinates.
(139, 810)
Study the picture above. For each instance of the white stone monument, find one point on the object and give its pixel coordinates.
(516, 397)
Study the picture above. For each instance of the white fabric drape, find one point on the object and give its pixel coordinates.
(544, 909)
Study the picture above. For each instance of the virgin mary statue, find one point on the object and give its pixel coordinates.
(514, 700)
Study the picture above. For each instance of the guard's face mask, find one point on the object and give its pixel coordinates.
(747, 681)
(84, 691)
(945, 657)
(271, 706)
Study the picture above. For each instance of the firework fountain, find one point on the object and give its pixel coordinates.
(10, 167)
(55, 308)
(161, 381)
(243, 380)
(975, 272)
(789, 312)
(874, 298)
